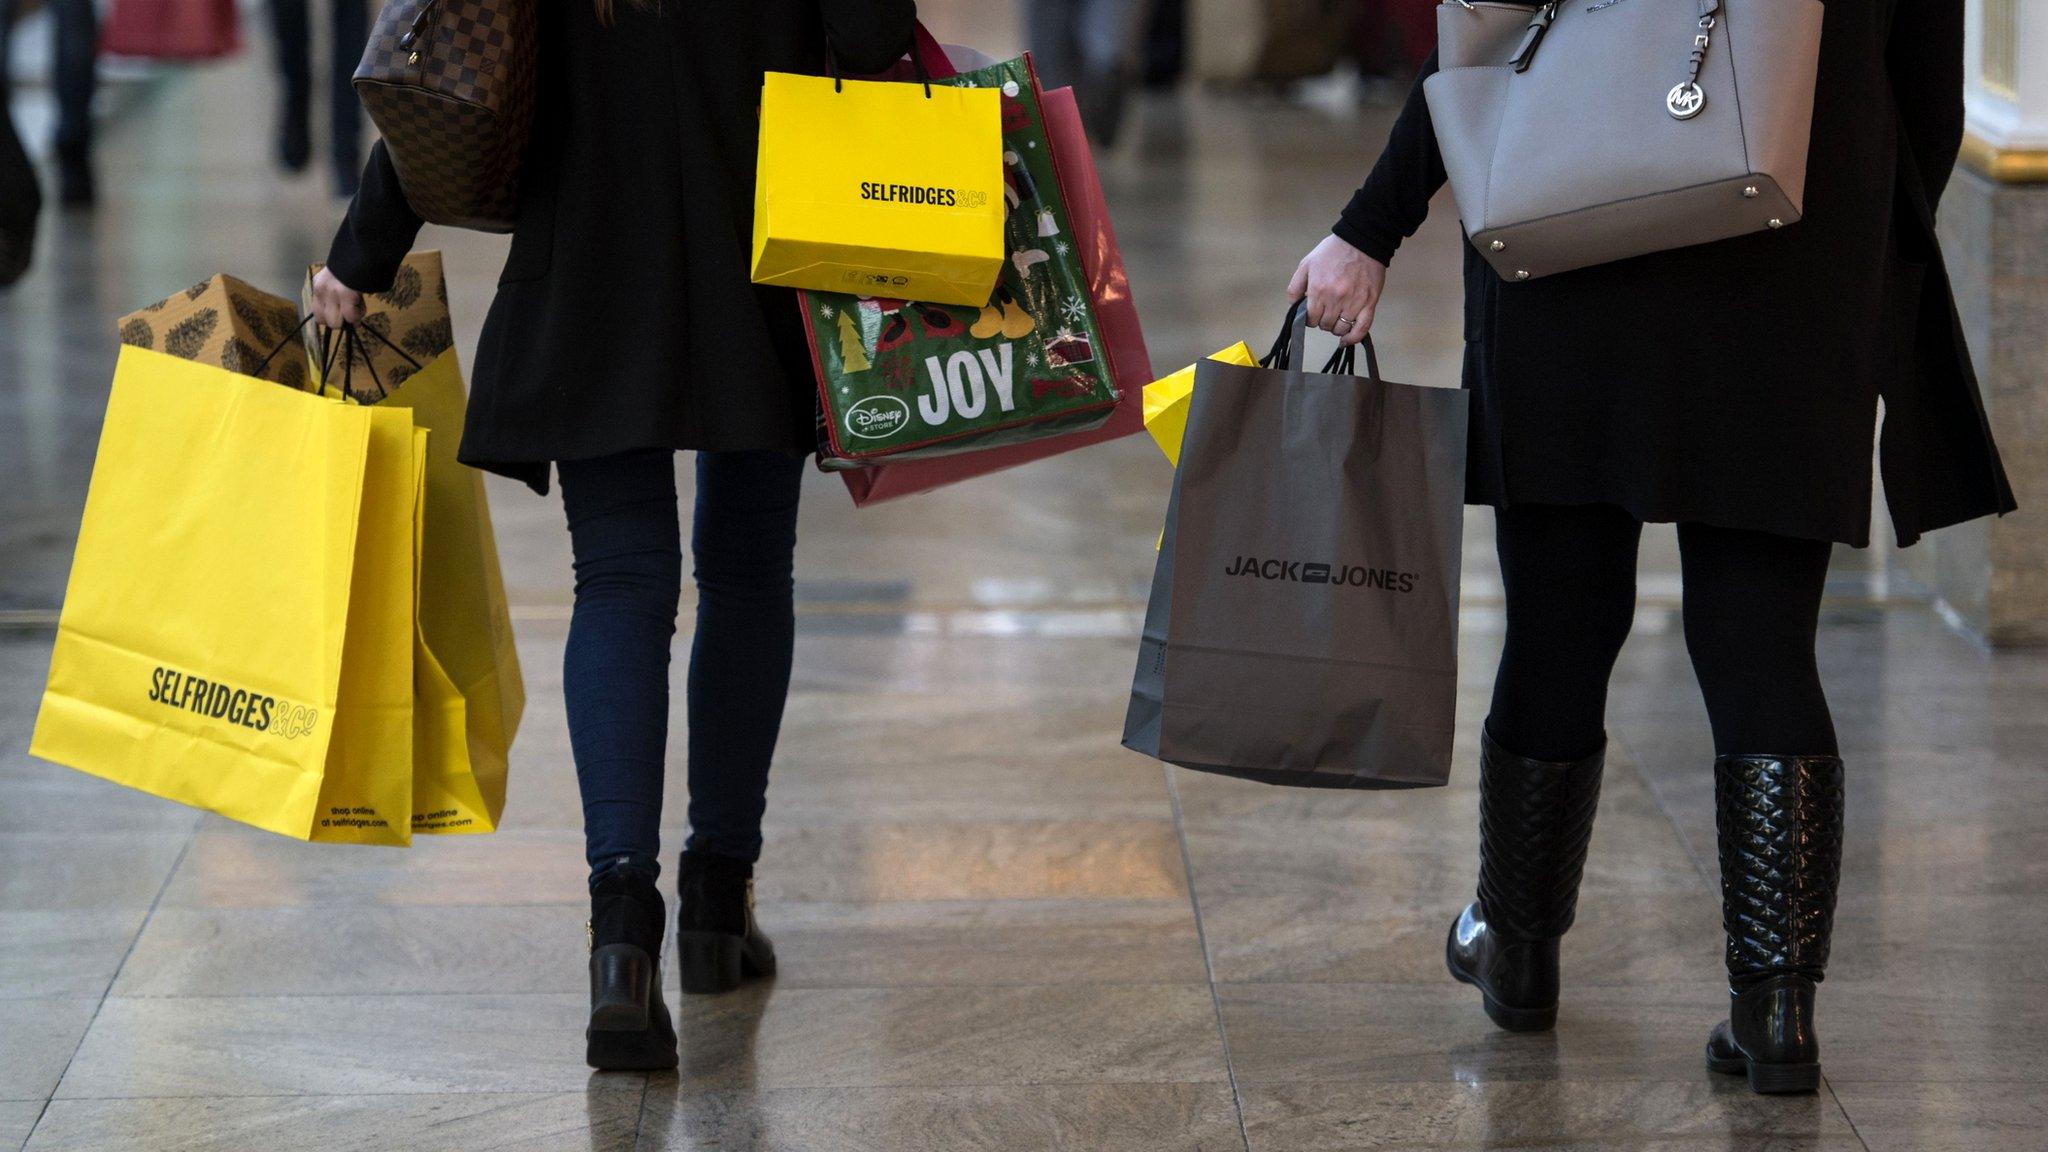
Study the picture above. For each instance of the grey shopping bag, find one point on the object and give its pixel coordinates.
(1303, 625)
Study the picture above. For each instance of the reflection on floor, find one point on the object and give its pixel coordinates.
(998, 929)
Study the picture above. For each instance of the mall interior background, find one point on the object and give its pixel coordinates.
(999, 929)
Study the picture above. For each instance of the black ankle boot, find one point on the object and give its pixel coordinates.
(1780, 825)
(630, 1028)
(1535, 821)
(717, 941)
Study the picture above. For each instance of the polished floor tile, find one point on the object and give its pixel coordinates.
(1908, 1116)
(407, 949)
(595, 1121)
(872, 1037)
(84, 871)
(17, 1117)
(1436, 1033)
(1931, 1029)
(1694, 1115)
(74, 952)
(332, 1046)
(1097, 1117)
(40, 1036)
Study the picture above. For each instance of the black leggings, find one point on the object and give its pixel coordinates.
(1752, 604)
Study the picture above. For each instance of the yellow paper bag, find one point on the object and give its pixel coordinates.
(468, 686)
(469, 692)
(879, 189)
(1166, 401)
(236, 632)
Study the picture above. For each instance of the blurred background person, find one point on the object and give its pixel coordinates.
(21, 201)
(292, 27)
(1090, 45)
(75, 44)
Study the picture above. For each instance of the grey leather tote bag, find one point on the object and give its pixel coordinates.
(1583, 131)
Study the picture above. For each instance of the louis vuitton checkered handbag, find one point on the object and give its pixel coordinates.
(450, 84)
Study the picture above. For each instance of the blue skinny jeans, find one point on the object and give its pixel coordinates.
(623, 529)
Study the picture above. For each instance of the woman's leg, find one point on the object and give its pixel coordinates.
(628, 552)
(1752, 607)
(744, 541)
(629, 575)
(745, 544)
(1569, 573)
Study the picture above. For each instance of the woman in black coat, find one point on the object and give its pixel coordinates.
(625, 328)
(1731, 388)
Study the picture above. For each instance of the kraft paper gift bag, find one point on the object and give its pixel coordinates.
(1302, 628)
(226, 323)
(904, 379)
(237, 630)
(403, 328)
(880, 187)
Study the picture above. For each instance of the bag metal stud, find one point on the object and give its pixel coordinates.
(1500, 245)
(1775, 222)
(1521, 273)
(1750, 193)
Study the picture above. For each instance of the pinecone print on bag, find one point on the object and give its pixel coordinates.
(398, 374)
(189, 335)
(237, 356)
(292, 373)
(138, 333)
(429, 340)
(377, 324)
(255, 319)
(198, 290)
(404, 291)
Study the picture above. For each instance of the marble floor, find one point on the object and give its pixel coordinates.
(999, 930)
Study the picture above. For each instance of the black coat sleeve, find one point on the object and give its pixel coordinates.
(869, 35)
(1925, 58)
(1395, 198)
(378, 230)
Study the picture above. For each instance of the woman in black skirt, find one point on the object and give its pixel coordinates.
(1732, 389)
(625, 328)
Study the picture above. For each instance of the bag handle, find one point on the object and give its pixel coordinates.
(927, 58)
(1294, 337)
(348, 349)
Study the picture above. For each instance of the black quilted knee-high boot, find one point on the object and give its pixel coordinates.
(1780, 824)
(1535, 822)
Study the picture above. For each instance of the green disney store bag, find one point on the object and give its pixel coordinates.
(905, 380)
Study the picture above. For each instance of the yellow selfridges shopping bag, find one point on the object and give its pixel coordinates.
(1166, 401)
(468, 691)
(237, 630)
(877, 188)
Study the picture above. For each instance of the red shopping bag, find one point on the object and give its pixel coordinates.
(172, 29)
(1116, 317)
